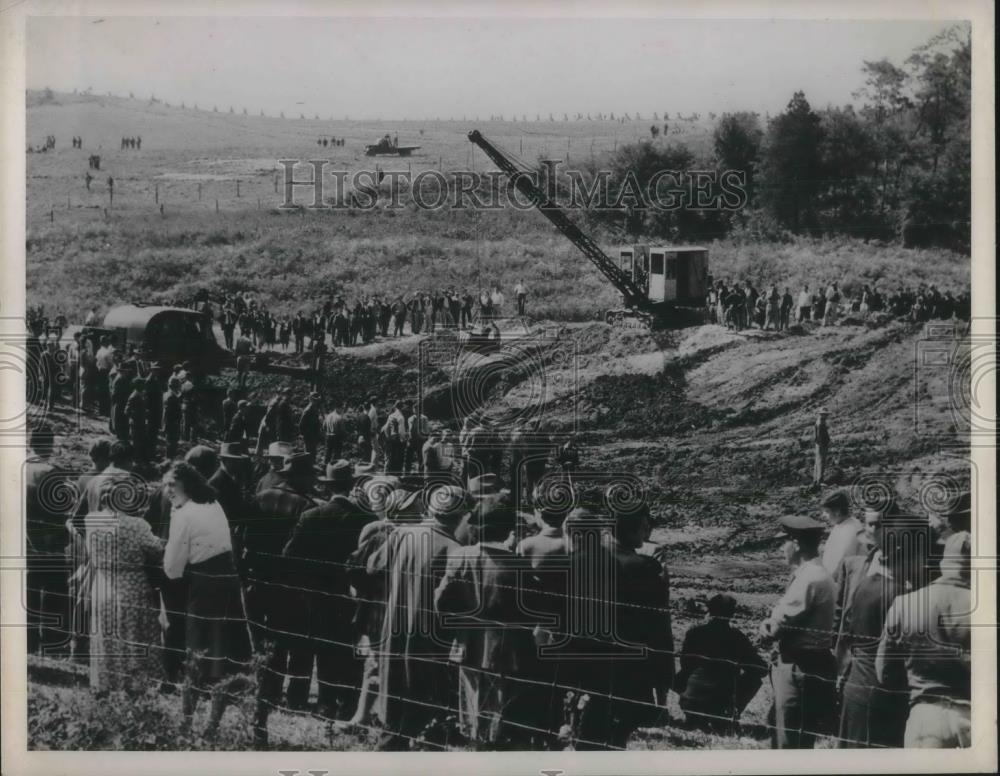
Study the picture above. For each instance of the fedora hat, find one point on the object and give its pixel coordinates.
(299, 463)
(279, 450)
(233, 450)
(339, 472)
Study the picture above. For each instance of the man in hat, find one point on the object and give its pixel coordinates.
(276, 454)
(135, 412)
(311, 425)
(821, 446)
(236, 431)
(627, 677)
(335, 431)
(721, 671)
(418, 431)
(189, 403)
(279, 612)
(318, 551)
(845, 537)
(478, 597)
(121, 389)
(413, 652)
(228, 410)
(801, 624)
(153, 391)
(285, 429)
(395, 438)
(172, 415)
(926, 643)
(373, 430)
(229, 482)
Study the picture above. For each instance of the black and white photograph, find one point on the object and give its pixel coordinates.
(433, 385)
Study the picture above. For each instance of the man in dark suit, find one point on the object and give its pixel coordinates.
(230, 482)
(721, 671)
(278, 612)
(317, 554)
(625, 671)
(479, 598)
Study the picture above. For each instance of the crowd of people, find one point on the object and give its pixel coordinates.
(131, 143)
(247, 325)
(739, 305)
(439, 586)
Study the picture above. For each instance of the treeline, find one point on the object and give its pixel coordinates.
(895, 168)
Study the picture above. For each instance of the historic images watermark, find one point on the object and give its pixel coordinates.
(313, 184)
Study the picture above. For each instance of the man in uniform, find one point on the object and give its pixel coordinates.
(228, 410)
(801, 624)
(395, 438)
(845, 538)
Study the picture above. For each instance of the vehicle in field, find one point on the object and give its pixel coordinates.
(660, 286)
(165, 336)
(389, 146)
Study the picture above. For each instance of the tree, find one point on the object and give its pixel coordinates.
(654, 131)
(737, 140)
(792, 166)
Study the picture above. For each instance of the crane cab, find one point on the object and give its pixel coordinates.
(633, 260)
(678, 274)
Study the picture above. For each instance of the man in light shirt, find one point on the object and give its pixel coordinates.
(804, 303)
(845, 531)
(496, 299)
(801, 623)
(521, 293)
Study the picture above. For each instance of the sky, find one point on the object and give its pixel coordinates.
(450, 68)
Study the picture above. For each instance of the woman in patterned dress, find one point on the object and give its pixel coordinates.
(119, 550)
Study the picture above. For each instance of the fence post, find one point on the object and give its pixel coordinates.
(161, 208)
(157, 194)
(199, 192)
(52, 215)
(216, 204)
(68, 206)
(237, 188)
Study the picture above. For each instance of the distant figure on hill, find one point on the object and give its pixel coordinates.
(821, 439)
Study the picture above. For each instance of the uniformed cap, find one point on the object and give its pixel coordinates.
(314, 396)
(824, 411)
(242, 403)
(797, 524)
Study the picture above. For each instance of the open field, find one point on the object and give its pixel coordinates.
(716, 425)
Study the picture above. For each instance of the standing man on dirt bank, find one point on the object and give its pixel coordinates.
(821, 443)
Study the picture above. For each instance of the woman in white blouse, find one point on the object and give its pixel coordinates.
(200, 549)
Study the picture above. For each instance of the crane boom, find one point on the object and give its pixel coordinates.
(634, 295)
